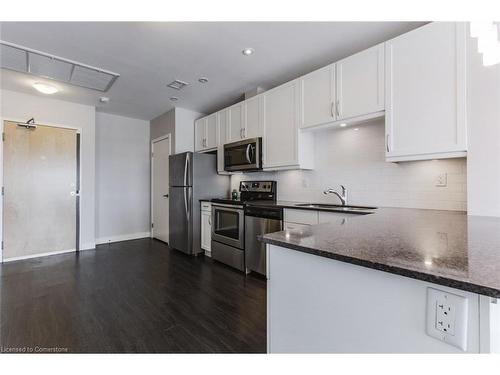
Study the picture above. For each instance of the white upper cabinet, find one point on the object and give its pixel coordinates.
(223, 122)
(284, 146)
(211, 138)
(426, 93)
(360, 83)
(199, 134)
(205, 133)
(318, 97)
(252, 126)
(235, 128)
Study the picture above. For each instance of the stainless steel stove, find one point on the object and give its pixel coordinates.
(228, 228)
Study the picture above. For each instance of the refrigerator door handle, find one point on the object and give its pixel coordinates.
(186, 170)
(186, 203)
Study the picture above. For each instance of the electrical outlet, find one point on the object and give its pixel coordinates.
(447, 317)
(442, 180)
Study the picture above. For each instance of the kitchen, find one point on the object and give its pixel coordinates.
(375, 119)
(350, 206)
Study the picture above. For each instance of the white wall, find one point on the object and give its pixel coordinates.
(122, 178)
(483, 157)
(356, 159)
(184, 129)
(17, 106)
(179, 123)
(163, 125)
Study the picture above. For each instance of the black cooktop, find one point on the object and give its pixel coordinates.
(237, 202)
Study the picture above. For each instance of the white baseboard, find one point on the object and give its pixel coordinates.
(39, 255)
(88, 246)
(122, 237)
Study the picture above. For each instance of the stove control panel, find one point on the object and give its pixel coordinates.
(258, 186)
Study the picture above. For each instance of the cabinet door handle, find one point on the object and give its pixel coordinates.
(331, 109)
(387, 142)
(337, 107)
(210, 220)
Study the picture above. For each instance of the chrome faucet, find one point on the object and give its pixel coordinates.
(342, 197)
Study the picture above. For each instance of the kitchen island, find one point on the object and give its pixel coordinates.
(361, 283)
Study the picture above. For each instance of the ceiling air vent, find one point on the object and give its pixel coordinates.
(41, 64)
(177, 84)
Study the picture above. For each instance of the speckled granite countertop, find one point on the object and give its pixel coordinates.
(442, 247)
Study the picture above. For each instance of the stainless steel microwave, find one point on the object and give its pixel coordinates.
(243, 155)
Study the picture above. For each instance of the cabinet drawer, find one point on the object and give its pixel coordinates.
(295, 226)
(331, 217)
(301, 216)
(206, 206)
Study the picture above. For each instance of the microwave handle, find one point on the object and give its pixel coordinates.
(248, 153)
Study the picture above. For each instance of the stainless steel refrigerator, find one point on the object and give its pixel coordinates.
(193, 176)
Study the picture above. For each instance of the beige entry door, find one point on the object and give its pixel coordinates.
(160, 191)
(40, 182)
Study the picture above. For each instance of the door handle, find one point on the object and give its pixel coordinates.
(387, 142)
(186, 170)
(165, 195)
(210, 220)
(249, 148)
(186, 203)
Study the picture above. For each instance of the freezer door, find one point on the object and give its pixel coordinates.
(181, 169)
(181, 222)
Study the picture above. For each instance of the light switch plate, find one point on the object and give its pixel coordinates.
(447, 316)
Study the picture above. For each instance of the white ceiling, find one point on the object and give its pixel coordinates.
(149, 55)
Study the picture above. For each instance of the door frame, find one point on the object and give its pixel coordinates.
(79, 177)
(153, 141)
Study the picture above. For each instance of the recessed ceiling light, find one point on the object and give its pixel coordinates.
(356, 129)
(203, 80)
(174, 98)
(44, 88)
(343, 125)
(248, 51)
(104, 99)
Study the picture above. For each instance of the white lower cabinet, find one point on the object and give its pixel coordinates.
(298, 216)
(206, 227)
(332, 217)
(426, 93)
(294, 227)
(300, 220)
(285, 146)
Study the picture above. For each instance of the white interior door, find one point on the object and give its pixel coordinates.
(40, 167)
(160, 192)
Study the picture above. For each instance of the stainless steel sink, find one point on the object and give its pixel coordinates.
(338, 207)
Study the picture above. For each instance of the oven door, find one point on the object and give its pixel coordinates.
(243, 155)
(228, 225)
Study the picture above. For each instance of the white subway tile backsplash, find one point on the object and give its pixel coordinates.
(356, 159)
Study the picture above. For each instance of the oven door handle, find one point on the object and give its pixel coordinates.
(248, 153)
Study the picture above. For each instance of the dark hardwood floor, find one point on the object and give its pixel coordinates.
(133, 296)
